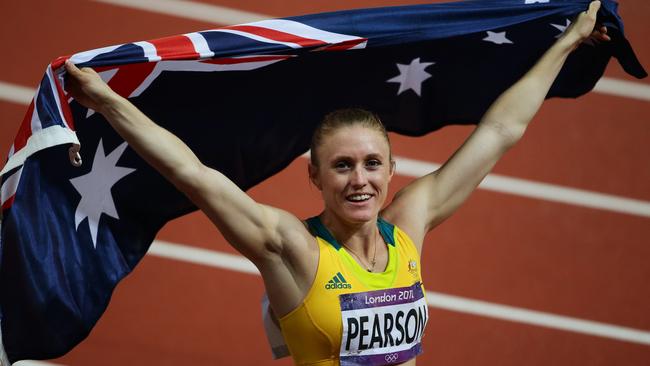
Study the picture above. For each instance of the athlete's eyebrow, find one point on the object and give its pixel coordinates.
(375, 156)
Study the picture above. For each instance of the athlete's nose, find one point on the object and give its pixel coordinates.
(359, 178)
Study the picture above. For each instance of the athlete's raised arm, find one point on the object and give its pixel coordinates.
(257, 231)
(429, 200)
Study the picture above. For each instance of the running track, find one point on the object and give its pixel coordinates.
(522, 268)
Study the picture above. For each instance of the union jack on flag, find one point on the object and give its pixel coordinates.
(246, 99)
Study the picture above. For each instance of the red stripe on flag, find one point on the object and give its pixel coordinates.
(129, 77)
(244, 60)
(277, 35)
(59, 61)
(65, 107)
(175, 48)
(107, 67)
(25, 130)
(8, 202)
(344, 46)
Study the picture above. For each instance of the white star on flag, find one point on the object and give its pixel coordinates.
(95, 188)
(497, 37)
(561, 28)
(411, 76)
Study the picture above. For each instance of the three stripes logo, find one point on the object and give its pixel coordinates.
(337, 282)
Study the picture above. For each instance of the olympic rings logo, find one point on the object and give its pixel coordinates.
(391, 357)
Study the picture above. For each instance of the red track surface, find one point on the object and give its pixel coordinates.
(540, 255)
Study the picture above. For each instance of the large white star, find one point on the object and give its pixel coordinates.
(561, 28)
(411, 76)
(95, 188)
(497, 37)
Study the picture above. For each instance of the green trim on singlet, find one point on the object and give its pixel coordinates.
(387, 231)
(372, 280)
(318, 229)
(316, 226)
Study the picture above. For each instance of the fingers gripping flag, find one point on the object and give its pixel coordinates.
(246, 99)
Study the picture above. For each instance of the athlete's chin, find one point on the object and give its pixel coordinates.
(359, 216)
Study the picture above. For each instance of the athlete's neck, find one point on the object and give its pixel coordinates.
(360, 237)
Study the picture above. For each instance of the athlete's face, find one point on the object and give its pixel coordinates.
(353, 172)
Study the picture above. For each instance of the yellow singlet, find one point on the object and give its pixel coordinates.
(354, 317)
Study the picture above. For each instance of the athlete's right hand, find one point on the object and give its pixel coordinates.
(87, 87)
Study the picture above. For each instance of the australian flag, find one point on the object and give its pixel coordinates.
(246, 99)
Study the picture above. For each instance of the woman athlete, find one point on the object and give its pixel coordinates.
(345, 285)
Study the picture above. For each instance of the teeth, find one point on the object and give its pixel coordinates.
(359, 197)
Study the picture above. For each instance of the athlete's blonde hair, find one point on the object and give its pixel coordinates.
(344, 118)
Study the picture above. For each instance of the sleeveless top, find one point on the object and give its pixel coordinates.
(354, 317)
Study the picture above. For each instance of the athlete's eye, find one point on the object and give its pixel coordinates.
(342, 165)
(373, 163)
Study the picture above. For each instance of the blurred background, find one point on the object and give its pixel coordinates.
(548, 263)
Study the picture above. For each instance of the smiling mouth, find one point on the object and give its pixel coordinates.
(361, 197)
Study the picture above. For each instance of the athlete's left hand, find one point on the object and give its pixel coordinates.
(584, 27)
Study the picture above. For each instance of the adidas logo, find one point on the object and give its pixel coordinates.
(337, 282)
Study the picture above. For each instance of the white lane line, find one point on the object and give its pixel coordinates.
(206, 257)
(16, 93)
(192, 10)
(538, 318)
(226, 16)
(623, 88)
(542, 191)
(493, 182)
(238, 263)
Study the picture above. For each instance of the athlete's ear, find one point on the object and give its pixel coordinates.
(393, 166)
(314, 176)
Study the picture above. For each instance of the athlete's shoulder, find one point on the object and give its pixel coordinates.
(394, 233)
